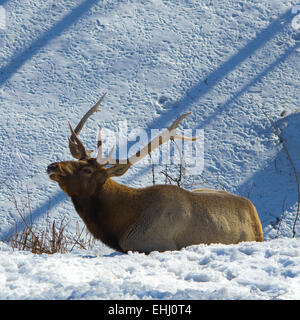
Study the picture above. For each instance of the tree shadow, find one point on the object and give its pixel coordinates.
(48, 205)
(2, 2)
(113, 254)
(208, 83)
(56, 30)
(16, 63)
(273, 190)
(222, 108)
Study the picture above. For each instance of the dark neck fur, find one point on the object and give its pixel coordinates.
(109, 213)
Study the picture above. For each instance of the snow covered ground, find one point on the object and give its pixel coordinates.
(156, 59)
(246, 271)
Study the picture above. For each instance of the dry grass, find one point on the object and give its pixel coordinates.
(52, 239)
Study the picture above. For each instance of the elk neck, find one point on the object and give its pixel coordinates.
(109, 212)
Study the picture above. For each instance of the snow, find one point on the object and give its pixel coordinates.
(156, 60)
(296, 20)
(245, 271)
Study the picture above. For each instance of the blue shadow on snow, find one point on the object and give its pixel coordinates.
(55, 199)
(19, 59)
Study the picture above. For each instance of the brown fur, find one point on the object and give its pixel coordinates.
(160, 217)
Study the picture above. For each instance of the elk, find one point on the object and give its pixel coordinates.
(154, 218)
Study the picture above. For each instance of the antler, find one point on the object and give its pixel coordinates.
(76, 147)
(168, 134)
(100, 159)
(78, 151)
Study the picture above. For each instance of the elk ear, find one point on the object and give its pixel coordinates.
(117, 170)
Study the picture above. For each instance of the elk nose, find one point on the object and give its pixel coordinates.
(51, 167)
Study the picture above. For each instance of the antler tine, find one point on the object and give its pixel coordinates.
(75, 145)
(88, 114)
(175, 125)
(99, 158)
(107, 160)
(99, 142)
(168, 134)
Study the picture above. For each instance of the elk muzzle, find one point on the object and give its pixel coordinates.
(52, 167)
(55, 171)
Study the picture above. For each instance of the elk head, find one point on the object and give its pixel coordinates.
(83, 177)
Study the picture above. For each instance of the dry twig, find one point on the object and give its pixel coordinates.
(50, 240)
(282, 141)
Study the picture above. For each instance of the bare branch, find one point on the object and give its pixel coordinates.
(278, 133)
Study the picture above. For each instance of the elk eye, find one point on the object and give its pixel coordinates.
(87, 170)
